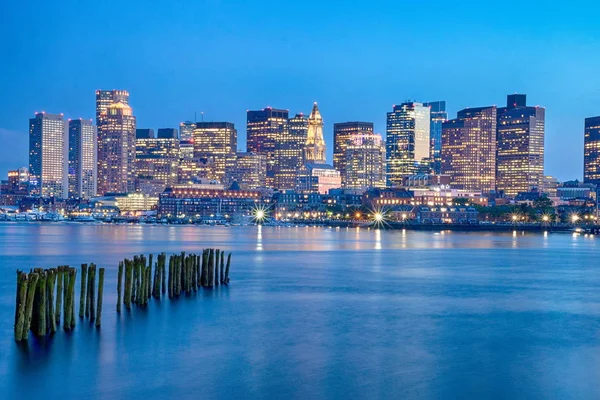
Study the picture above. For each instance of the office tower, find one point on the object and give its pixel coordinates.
(519, 147)
(264, 130)
(105, 98)
(364, 164)
(407, 141)
(591, 151)
(342, 133)
(116, 149)
(289, 152)
(167, 133)
(438, 115)
(469, 149)
(216, 141)
(249, 170)
(314, 148)
(186, 138)
(156, 164)
(47, 155)
(83, 154)
(144, 133)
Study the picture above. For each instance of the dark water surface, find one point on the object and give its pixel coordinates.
(320, 313)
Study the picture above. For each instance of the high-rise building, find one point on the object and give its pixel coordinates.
(364, 166)
(83, 154)
(167, 133)
(216, 141)
(407, 141)
(469, 149)
(342, 133)
(314, 148)
(249, 170)
(105, 98)
(186, 137)
(289, 152)
(116, 149)
(156, 164)
(438, 115)
(47, 147)
(265, 129)
(144, 133)
(519, 147)
(591, 151)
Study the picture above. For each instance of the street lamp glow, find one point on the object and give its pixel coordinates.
(545, 218)
(260, 214)
(574, 218)
(404, 216)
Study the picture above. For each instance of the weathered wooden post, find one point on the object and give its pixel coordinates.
(128, 284)
(83, 310)
(163, 280)
(92, 289)
(222, 273)
(22, 284)
(149, 288)
(119, 285)
(50, 321)
(211, 266)
(227, 269)
(41, 312)
(171, 276)
(72, 281)
(59, 289)
(31, 289)
(100, 295)
(66, 304)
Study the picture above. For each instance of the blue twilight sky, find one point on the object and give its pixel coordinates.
(355, 58)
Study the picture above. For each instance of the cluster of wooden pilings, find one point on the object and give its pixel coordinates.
(90, 303)
(139, 280)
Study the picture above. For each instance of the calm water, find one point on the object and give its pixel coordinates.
(320, 313)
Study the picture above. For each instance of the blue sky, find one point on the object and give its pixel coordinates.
(356, 59)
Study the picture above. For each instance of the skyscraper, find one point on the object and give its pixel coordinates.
(105, 98)
(469, 149)
(47, 155)
(116, 149)
(167, 133)
(364, 164)
(156, 164)
(289, 152)
(520, 147)
(342, 133)
(186, 139)
(216, 141)
(249, 170)
(438, 115)
(314, 148)
(83, 158)
(144, 133)
(264, 130)
(591, 151)
(407, 141)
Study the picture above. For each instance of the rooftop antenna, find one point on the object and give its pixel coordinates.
(202, 115)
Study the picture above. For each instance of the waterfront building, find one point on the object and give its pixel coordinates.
(591, 150)
(469, 149)
(318, 178)
(289, 152)
(407, 141)
(314, 148)
(156, 164)
(249, 170)
(47, 164)
(265, 130)
(15, 188)
(116, 149)
(519, 147)
(438, 115)
(342, 133)
(550, 186)
(446, 215)
(130, 203)
(427, 180)
(215, 141)
(186, 137)
(83, 158)
(364, 163)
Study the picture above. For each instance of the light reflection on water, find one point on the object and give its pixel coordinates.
(321, 313)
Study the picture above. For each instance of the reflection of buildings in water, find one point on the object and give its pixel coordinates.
(377, 239)
(259, 243)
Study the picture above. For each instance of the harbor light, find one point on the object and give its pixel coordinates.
(378, 217)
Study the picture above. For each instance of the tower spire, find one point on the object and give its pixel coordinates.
(314, 149)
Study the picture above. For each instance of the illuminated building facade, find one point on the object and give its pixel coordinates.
(289, 152)
(156, 164)
(249, 170)
(438, 115)
(47, 164)
(342, 133)
(83, 158)
(364, 163)
(216, 141)
(591, 151)
(520, 147)
(407, 141)
(314, 148)
(469, 149)
(265, 129)
(186, 137)
(116, 149)
(194, 169)
(318, 178)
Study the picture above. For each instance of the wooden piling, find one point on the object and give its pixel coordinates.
(59, 295)
(83, 308)
(163, 274)
(150, 287)
(92, 290)
(31, 289)
(227, 269)
(22, 285)
(119, 286)
(50, 320)
(72, 280)
(211, 263)
(128, 283)
(100, 295)
(41, 313)
(221, 274)
(204, 273)
(66, 304)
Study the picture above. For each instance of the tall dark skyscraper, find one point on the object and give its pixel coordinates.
(591, 151)
(343, 132)
(438, 115)
(520, 147)
(469, 149)
(288, 152)
(83, 154)
(47, 164)
(264, 130)
(167, 133)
